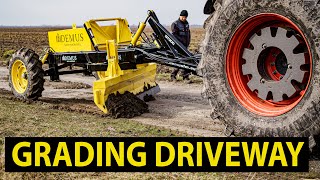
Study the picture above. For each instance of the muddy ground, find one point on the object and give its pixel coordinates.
(178, 106)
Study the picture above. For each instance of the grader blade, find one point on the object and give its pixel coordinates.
(140, 81)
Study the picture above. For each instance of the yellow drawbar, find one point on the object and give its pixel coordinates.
(135, 81)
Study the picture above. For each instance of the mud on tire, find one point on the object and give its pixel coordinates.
(33, 72)
(304, 118)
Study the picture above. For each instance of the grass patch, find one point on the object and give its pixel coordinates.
(30, 120)
(164, 74)
(5, 57)
(8, 54)
(167, 77)
(23, 119)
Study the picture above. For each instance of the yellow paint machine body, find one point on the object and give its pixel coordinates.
(95, 37)
(122, 61)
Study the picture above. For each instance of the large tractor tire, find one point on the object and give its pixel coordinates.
(261, 66)
(26, 75)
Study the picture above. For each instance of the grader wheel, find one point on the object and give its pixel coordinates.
(26, 75)
(260, 67)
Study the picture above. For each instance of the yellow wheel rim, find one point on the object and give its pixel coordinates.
(19, 76)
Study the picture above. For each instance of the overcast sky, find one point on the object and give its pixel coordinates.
(67, 12)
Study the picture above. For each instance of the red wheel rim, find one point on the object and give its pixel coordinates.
(238, 81)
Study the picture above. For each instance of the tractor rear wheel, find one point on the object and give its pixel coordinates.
(261, 66)
(26, 75)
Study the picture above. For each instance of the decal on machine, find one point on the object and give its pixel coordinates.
(69, 58)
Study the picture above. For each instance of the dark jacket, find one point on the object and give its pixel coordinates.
(181, 31)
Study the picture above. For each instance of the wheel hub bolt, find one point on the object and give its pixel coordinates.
(24, 76)
(264, 46)
(290, 66)
(262, 81)
(272, 64)
(275, 72)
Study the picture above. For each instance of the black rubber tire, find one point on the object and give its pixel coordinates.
(34, 71)
(304, 119)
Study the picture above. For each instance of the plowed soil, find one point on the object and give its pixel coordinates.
(125, 105)
(178, 106)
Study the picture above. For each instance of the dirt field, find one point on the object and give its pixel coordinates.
(36, 38)
(178, 106)
(65, 110)
(179, 110)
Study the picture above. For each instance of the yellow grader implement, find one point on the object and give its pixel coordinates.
(121, 61)
(259, 63)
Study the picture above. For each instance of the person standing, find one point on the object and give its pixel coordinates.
(181, 30)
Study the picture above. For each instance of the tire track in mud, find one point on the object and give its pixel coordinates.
(178, 106)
